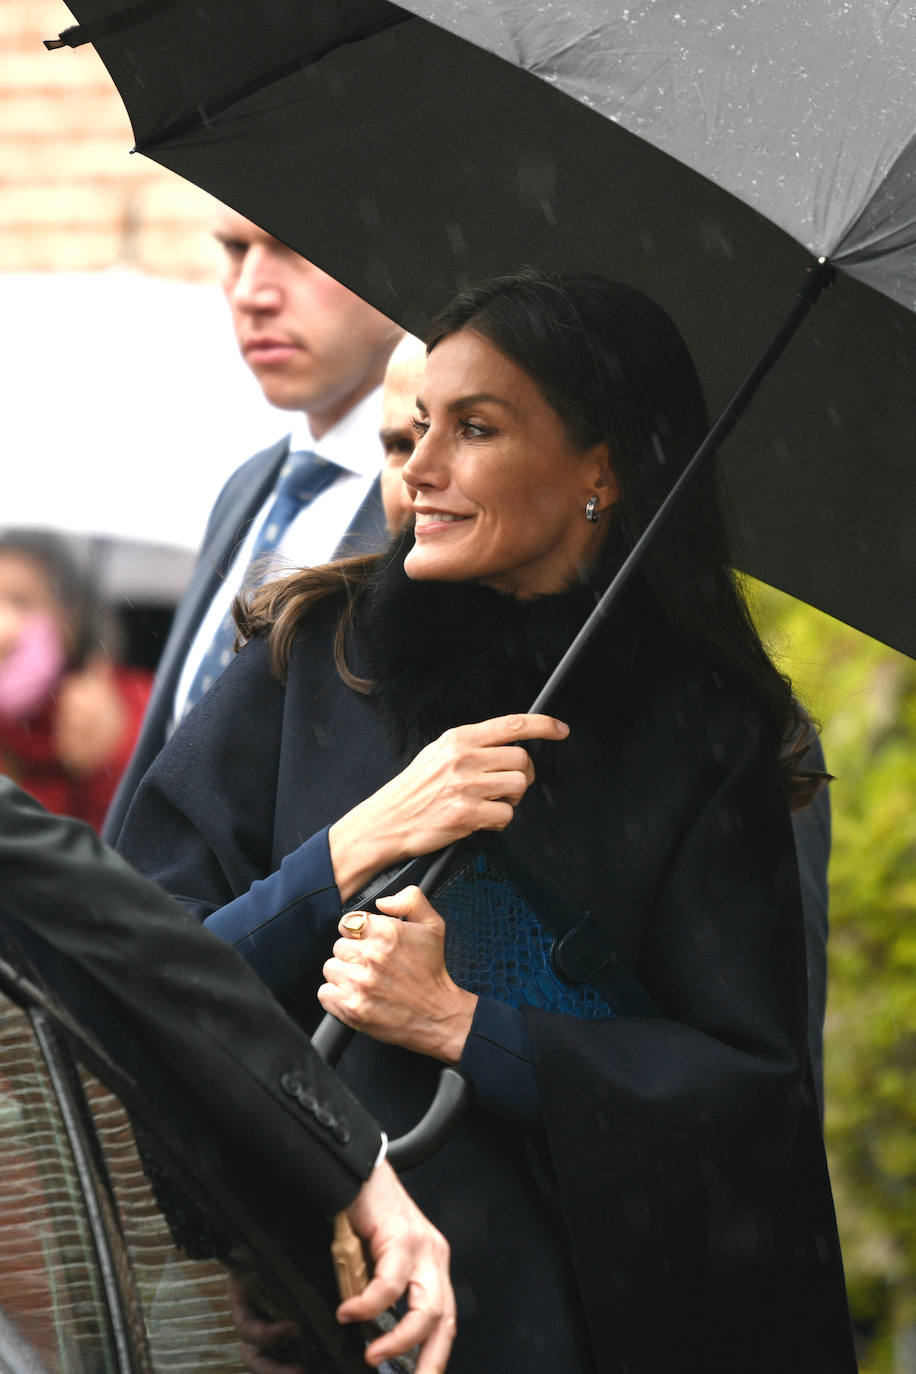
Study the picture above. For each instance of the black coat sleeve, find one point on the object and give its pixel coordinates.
(192, 999)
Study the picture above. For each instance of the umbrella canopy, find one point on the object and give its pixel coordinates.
(708, 158)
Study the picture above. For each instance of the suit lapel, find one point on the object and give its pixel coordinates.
(240, 502)
(367, 531)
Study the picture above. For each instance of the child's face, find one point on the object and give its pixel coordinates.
(25, 591)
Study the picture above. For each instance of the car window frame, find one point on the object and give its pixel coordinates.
(69, 1043)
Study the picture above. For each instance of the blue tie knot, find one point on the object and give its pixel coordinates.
(301, 478)
(302, 475)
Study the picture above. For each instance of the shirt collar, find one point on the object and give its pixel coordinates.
(352, 443)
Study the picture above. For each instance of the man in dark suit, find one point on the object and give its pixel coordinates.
(196, 1003)
(316, 349)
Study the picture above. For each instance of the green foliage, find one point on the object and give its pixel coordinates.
(864, 695)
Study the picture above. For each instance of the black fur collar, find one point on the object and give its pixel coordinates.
(443, 654)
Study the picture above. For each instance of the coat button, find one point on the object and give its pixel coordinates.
(292, 1084)
(341, 1130)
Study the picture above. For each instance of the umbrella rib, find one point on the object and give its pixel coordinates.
(107, 25)
(202, 114)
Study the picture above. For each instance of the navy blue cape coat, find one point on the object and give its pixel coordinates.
(672, 1198)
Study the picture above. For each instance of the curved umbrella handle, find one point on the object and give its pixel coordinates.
(449, 1104)
(453, 1093)
(452, 1099)
(331, 1039)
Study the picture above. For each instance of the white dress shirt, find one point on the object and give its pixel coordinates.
(353, 444)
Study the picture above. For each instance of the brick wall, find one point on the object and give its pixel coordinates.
(71, 197)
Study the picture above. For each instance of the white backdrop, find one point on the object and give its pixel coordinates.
(125, 405)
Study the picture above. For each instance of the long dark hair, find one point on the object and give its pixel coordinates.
(614, 367)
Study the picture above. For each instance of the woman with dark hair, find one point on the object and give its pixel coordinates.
(637, 1192)
(69, 714)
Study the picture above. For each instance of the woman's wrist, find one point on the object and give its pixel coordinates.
(358, 851)
(455, 1027)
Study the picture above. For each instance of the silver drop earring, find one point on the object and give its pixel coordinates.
(592, 513)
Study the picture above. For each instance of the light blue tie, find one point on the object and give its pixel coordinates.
(301, 478)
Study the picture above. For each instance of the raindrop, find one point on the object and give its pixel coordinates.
(659, 450)
(456, 241)
(537, 183)
(369, 213)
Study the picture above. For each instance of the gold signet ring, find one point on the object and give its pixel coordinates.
(355, 925)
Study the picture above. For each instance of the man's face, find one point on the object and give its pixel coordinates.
(311, 343)
(398, 432)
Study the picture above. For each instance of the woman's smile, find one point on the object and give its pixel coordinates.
(435, 521)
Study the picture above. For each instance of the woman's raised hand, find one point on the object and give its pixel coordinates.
(388, 979)
(471, 778)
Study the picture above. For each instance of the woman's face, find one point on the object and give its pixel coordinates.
(498, 490)
(25, 591)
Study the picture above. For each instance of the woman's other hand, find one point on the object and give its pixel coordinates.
(388, 979)
(469, 779)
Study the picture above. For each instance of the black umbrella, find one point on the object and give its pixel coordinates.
(709, 157)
